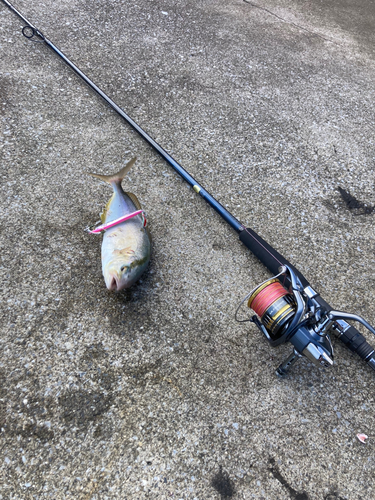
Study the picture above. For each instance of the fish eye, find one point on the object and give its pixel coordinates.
(123, 268)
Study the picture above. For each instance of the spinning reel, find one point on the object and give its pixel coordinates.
(287, 312)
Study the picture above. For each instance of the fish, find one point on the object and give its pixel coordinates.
(126, 246)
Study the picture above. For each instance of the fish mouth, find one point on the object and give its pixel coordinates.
(115, 284)
(112, 285)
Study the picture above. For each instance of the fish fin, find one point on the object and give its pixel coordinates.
(137, 204)
(148, 234)
(134, 200)
(103, 214)
(118, 176)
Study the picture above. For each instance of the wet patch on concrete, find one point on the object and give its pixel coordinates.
(43, 433)
(94, 352)
(333, 496)
(23, 413)
(100, 431)
(134, 294)
(81, 407)
(4, 83)
(223, 484)
(218, 245)
(150, 374)
(355, 206)
(295, 495)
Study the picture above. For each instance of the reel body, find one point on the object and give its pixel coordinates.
(287, 312)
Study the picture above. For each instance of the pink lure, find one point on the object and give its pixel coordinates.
(103, 227)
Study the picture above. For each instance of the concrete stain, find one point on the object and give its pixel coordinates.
(146, 372)
(295, 495)
(333, 496)
(32, 430)
(354, 205)
(25, 410)
(94, 352)
(81, 407)
(223, 484)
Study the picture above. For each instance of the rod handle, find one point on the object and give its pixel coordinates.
(357, 343)
(268, 255)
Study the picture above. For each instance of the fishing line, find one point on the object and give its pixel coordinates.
(249, 294)
(265, 296)
(259, 243)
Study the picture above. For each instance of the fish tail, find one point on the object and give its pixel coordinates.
(118, 176)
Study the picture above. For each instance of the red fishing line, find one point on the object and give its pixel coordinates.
(267, 296)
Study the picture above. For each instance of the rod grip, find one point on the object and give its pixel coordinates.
(357, 343)
(267, 255)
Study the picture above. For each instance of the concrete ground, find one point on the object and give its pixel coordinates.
(156, 392)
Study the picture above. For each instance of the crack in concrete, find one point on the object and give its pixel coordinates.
(290, 22)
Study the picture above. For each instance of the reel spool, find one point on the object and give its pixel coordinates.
(274, 305)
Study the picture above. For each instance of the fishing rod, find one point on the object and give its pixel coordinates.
(287, 308)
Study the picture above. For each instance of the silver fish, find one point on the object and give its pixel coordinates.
(126, 247)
